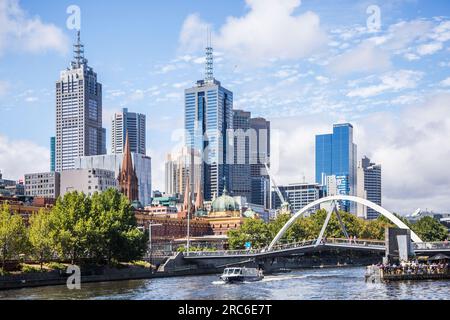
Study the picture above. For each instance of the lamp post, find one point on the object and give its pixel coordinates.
(150, 249)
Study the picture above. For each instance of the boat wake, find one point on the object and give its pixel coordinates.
(266, 279)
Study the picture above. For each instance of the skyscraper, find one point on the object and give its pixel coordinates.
(240, 169)
(52, 154)
(79, 129)
(259, 155)
(369, 187)
(336, 156)
(208, 116)
(131, 123)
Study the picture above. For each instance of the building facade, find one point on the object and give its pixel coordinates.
(142, 165)
(132, 123)
(336, 156)
(259, 155)
(87, 181)
(298, 195)
(241, 184)
(53, 154)
(207, 118)
(79, 129)
(369, 187)
(43, 185)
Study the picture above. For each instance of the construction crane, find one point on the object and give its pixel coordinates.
(285, 206)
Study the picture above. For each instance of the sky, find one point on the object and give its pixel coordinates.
(303, 65)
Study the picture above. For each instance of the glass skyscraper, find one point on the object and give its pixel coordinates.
(207, 118)
(336, 156)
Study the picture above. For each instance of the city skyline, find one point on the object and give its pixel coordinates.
(390, 114)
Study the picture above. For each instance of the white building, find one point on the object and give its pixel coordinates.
(79, 129)
(142, 165)
(132, 123)
(87, 181)
(44, 185)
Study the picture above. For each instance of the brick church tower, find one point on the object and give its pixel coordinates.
(128, 180)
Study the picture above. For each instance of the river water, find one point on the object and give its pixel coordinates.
(304, 284)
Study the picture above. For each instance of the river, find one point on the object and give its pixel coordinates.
(308, 284)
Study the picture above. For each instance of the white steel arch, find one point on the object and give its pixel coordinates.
(362, 201)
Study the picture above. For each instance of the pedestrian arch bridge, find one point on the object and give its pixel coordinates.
(276, 249)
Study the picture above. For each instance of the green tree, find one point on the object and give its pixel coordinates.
(114, 222)
(71, 216)
(40, 234)
(13, 235)
(429, 229)
(255, 231)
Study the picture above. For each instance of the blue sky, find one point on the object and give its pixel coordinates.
(304, 65)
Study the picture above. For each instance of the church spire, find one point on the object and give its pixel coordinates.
(127, 178)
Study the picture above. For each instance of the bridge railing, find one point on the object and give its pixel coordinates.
(357, 242)
(221, 253)
(431, 245)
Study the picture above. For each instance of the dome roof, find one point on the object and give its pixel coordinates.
(224, 203)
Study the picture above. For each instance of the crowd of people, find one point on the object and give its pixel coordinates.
(414, 267)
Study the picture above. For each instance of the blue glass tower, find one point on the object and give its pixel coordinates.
(208, 115)
(336, 156)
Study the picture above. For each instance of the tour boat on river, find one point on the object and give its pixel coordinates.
(241, 274)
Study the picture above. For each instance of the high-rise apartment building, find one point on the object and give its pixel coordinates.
(336, 156)
(132, 123)
(79, 129)
(207, 118)
(369, 187)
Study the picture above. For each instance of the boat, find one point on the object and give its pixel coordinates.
(241, 274)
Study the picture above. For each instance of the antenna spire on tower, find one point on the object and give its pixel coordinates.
(209, 68)
(78, 53)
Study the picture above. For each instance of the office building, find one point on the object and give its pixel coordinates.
(132, 124)
(259, 155)
(369, 187)
(241, 183)
(113, 162)
(298, 195)
(52, 154)
(87, 181)
(43, 185)
(208, 115)
(336, 156)
(79, 129)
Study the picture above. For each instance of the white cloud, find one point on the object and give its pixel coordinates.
(429, 48)
(270, 30)
(18, 32)
(18, 157)
(366, 57)
(389, 82)
(4, 86)
(445, 82)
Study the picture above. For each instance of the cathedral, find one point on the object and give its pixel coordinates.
(128, 180)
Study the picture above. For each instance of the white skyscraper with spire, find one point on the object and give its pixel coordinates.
(79, 129)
